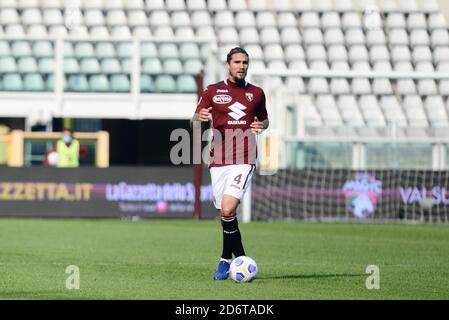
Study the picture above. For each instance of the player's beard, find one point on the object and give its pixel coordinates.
(239, 78)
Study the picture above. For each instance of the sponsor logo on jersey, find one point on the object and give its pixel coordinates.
(237, 113)
(222, 98)
(222, 91)
(249, 96)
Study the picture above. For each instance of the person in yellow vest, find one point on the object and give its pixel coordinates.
(66, 153)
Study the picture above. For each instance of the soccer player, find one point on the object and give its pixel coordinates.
(238, 113)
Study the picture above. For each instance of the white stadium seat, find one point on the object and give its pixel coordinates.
(360, 86)
(265, 19)
(290, 35)
(313, 36)
(286, 19)
(334, 36)
(224, 18)
(245, 19)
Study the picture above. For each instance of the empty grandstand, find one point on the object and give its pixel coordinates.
(354, 84)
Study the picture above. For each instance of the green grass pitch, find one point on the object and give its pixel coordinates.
(175, 259)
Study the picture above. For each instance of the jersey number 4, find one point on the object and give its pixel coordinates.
(238, 178)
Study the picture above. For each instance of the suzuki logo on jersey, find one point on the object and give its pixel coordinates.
(237, 113)
(222, 98)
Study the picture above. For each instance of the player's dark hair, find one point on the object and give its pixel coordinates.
(236, 50)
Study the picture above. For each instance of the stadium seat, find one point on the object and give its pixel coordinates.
(265, 19)
(152, 5)
(405, 87)
(195, 5)
(403, 66)
(120, 32)
(351, 20)
(273, 52)
(134, 5)
(37, 30)
(419, 37)
(114, 4)
(355, 37)
(398, 37)
(254, 51)
(337, 53)
(297, 65)
(295, 84)
(269, 35)
(436, 21)
(120, 83)
(165, 84)
(439, 37)
(180, 19)
(5, 50)
(7, 64)
(441, 54)
(360, 86)
(379, 53)
(93, 17)
(339, 86)
(358, 53)
(206, 33)
(313, 36)
(84, 50)
(334, 36)
(421, 53)
(104, 50)
(12, 82)
(416, 21)
(33, 82)
(328, 110)
(21, 48)
(249, 35)
(137, 18)
(90, 66)
(168, 51)
(152, 66)
(290, 35)
(185, 33)
(146, 84)
(318, 86)
(382, 87)
(71, 65)
(186, 84)
(443, 88)
(224, 19)
(110, 66)
(46, 65)
(340, 66)
(319, 65)
(427, 87)
(395, 20)
(217, 5)
(9, 16)
(42, 49)
(116, 18)
(414, 111)
(172, 67)
(401, 53)
(194, 66)
(237, 5)
(436, 111)
(257, 5)
(148, 50)
(310, 20)
(201, 19)
(316, 52)
(330, 20)
(57, 30)
(286, 19)
(424, 66)
(99, 83)
(26, 64)
(14, 30)
(375, 37)
(52, 17)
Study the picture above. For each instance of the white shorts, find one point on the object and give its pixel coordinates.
(232, 180)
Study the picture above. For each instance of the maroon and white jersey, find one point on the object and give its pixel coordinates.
(233, 110)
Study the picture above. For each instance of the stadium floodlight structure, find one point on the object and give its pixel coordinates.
(346, 172)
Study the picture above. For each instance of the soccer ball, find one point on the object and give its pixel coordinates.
(243, 269)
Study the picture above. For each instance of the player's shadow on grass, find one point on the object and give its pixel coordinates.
(313, 276)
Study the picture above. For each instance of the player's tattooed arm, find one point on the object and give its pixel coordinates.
(257, 126)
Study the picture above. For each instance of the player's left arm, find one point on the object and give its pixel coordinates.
(261, 121)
